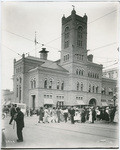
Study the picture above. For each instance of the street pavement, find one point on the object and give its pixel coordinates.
(62, 135)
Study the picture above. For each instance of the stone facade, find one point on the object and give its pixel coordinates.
(72, 80)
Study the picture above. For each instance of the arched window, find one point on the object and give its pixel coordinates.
(95, 75)
(93, 88)
(34, 83)
(88, 74)
(62, 86)
(20, 80)
(81, 86)
(82, 72)
(17, 91)
(68, 56)
(96, 89)
(98, 76)
(82, 57)
(66, 42)
(89, 88)
(58, 85)
(77, 71)
(66, 32)
(19, 94)
(50, 84)
(77, 86)
(80, 36)
(91, 74)
(45, 84)
(31, 84)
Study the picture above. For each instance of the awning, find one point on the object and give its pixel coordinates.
(80, 102)
(8, 103)
(61, 100)
(104, 104)
(48, 101)
(110, 90)
(103, 89)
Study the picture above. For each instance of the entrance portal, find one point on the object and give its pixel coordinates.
(33, 102)
(92, 102)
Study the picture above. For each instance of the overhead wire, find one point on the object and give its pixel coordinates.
(104, 46)
(11, 50)
(18, 35)
(62, 35)
(111, 65)
(102, 16)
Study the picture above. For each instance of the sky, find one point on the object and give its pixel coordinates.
(20, 20)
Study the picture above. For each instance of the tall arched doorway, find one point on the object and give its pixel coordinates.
(92, 102)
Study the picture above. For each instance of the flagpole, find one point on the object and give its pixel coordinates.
(35, 43)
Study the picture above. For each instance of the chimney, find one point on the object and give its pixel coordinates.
(90, 58)
(43, 54)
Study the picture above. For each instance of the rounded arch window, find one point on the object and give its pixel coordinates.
(81, 86)
(67, 29)
(89, 88)
(50, 84)
(93, 88)
(82, 72)
(45, 83)
(62, 85)
(66, 37)
(77, 71)
(58, 84)
(80, 36)
(80, 28)
(34, 83)
(77, 86)
(67, 32)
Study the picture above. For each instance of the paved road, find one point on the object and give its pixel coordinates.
(62, 135)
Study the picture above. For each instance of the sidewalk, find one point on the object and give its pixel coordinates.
(46, 135)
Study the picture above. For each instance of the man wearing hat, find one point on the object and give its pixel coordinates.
(12, 113)
(19, 118)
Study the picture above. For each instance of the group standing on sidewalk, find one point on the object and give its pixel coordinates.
(75, 114)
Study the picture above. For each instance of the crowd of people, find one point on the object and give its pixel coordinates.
(63, 114)
(74, 114)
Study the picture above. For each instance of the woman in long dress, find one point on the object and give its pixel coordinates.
(77, 116)
(90, 115)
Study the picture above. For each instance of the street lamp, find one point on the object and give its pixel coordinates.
(114, 98)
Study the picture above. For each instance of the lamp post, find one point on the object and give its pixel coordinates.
(114, 98)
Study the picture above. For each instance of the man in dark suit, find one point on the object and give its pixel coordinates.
(72, 113)
(19, 118)
(93, 115)
(12, 113)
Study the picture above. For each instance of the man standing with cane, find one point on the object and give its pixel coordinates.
(19, 118)
(12, 113)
